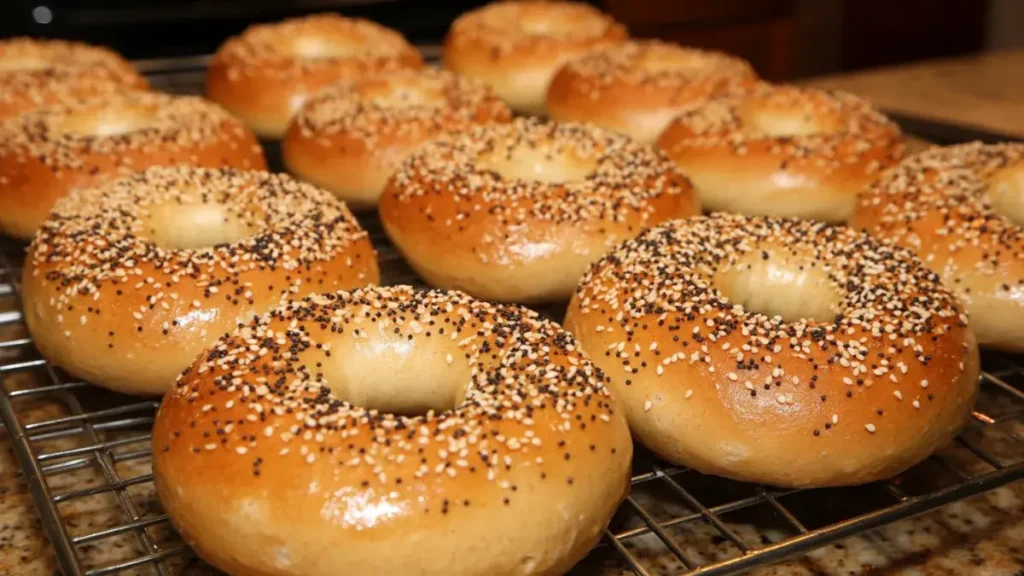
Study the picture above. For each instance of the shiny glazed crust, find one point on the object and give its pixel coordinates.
(961, 209)
(516, 47)
(265, 468)
(110, 305)
(889, 377)
(36, 73)
(638, 87)
(462, 225)
(351, 137)
(49, 153)
(265, 75)
(783, 151)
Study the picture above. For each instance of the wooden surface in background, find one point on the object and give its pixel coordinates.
(983, 91)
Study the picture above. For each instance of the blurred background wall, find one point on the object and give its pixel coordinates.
(783, 38)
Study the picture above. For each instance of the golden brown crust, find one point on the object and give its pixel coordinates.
(351, 137)
(265, 75)
(110, 302)
(516, 47)
(275, 475)
(46, 154)
(783, 151)
(518, 237)
(961, 209)
(36, 73)
(638, 87)
(887, 376)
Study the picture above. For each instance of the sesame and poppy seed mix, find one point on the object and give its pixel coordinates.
(47, 153)
(125, 283)
(351, 137)
(961, 209)
(783, 151)
(531, 424)
(36, 73)
(886, 374)
(515, 212)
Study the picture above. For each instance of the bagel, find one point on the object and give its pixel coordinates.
(961, 209)
(516, 47)
(783, 151)
(126, 283)
(391, 431)
(264, 75)
(35, 73)
(351, 137)
(515, 212)
(776, 351)
(638, 87)
(51, 152)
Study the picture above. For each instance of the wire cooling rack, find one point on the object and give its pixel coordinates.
(74, 442)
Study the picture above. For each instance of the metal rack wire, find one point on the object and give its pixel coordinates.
(82, 428)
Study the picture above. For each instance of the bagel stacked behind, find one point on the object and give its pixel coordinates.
(638, 87)
(53, 151)
(265, 75)
(36, 73)
(351, 137)
(516, 47)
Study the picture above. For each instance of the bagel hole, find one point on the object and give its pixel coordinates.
(779, 283)
(26, 64)
(388, 96)
(103, 123)
(394, 374)
(655, 61)
(538, 26)
(538, 164)
(781, 122)
(192, 226)
(1006, 192)
(319, 48)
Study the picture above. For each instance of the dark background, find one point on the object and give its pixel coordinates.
(782, 38)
